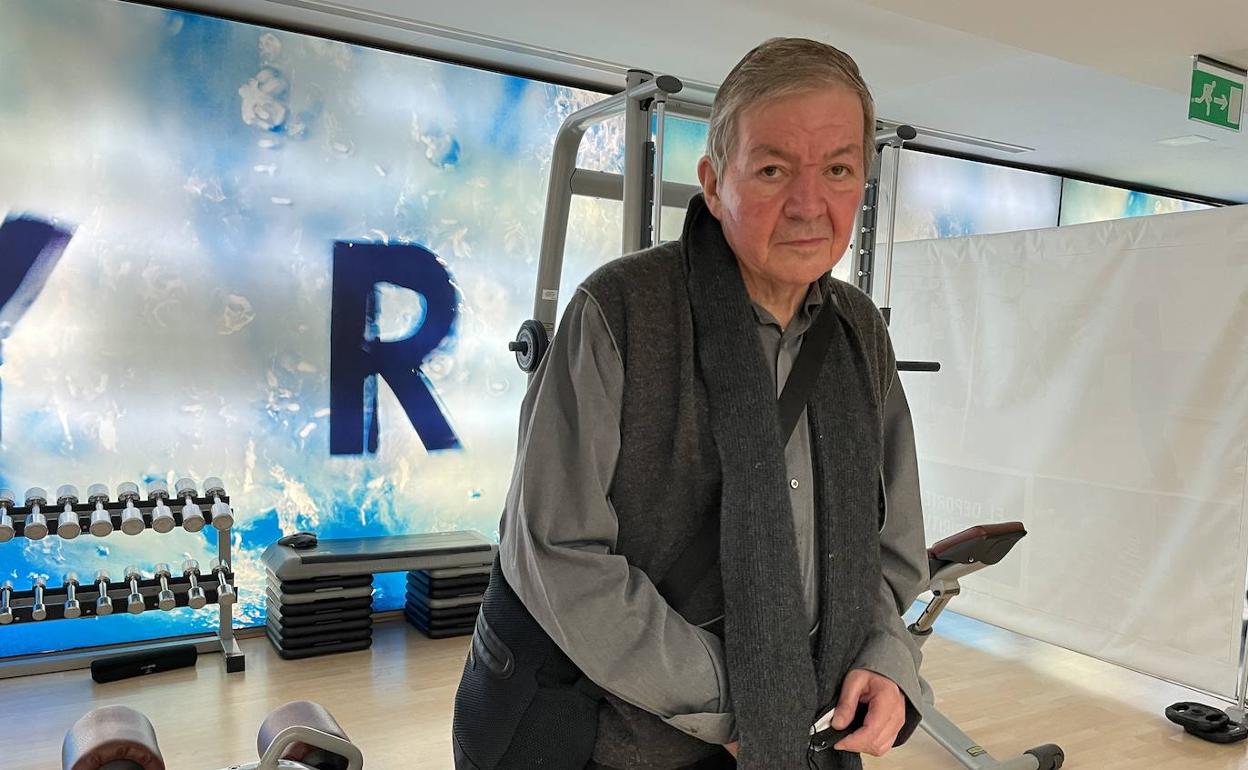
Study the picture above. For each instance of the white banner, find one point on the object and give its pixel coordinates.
(1094, 385)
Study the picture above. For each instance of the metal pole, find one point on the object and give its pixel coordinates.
(559, 203)
(892, 225)
(599, 184)
(660, 114)
(635, 136)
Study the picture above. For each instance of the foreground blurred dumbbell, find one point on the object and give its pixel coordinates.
(225, 592)
(195, 597)
(165, 600)
(72, 608)
(112, 737)
(103, 603)
(192, 516)
(307, 735)
(131, 518)
(101, 519)
(67, 525)
(134, 602)
(162, 514)
(38, 610)
(36, 523)
(222, 516)
(6, 520)
(299, 735)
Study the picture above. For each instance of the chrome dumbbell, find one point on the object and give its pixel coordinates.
(192, 516)
(101, 519)
(36, 523)
(225, 592)
(131, 518)
(6, 520)
(162, 514)
(6, 603)
(222, 516)
(195, 597)
(67, 525)
(72, 608)
(38, 610)
(166, 600)
(103, 603)
(134, 602)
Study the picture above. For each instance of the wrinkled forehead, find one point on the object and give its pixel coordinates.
(824, 121)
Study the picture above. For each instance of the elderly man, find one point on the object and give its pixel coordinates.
(651, 434)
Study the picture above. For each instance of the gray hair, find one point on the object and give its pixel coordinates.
(778, 68)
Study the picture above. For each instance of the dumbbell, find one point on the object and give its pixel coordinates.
(192, 516)
(6, 521)
(225, 592)
(103, 603)
(134, 602)
(166, 600)
(72, 608)
(101, 520)
(162, 515)
(6, 600)
(36, 522)
(38, 610)
(67, 525)
(195, 597)
(222, 516)
(131, 518)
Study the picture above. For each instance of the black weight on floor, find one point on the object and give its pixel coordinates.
(1231, 732)
(1196, 716)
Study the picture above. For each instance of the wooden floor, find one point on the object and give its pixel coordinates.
(395, 702)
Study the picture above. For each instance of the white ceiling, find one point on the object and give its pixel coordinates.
(1091, 85)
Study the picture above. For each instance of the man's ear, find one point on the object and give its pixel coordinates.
(710, 185)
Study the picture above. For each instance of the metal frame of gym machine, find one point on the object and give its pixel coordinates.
(645, 102)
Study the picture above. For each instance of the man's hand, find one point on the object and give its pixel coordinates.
(886, 713)
(732, 748)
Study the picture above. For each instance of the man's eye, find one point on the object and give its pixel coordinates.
(840, 171)
(771, 172)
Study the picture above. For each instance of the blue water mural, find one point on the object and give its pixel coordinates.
(206, 169)
(1084, 202)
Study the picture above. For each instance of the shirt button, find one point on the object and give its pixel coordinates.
(793, 483)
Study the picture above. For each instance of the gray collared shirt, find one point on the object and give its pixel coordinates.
(558, 532)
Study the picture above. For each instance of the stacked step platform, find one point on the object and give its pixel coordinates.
(444, 602)
(320, 598)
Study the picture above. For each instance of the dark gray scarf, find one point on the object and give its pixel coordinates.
(778, 690)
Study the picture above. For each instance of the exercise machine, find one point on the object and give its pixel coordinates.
(949, 561)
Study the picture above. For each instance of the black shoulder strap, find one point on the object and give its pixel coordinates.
(683, 576)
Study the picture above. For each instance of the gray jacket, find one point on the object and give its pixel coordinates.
(558, 533)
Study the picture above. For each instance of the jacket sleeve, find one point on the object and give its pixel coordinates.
(891, 650)
(558, 536)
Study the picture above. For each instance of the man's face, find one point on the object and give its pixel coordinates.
(792, 186)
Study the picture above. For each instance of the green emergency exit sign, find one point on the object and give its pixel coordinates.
(1217, 94)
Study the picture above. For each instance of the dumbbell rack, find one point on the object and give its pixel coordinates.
(21, 602)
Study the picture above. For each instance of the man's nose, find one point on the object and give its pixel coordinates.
(805, 195)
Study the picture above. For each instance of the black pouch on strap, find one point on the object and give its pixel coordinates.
(521, 702)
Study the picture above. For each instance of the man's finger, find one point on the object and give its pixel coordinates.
(878, 733)
(851, 693)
